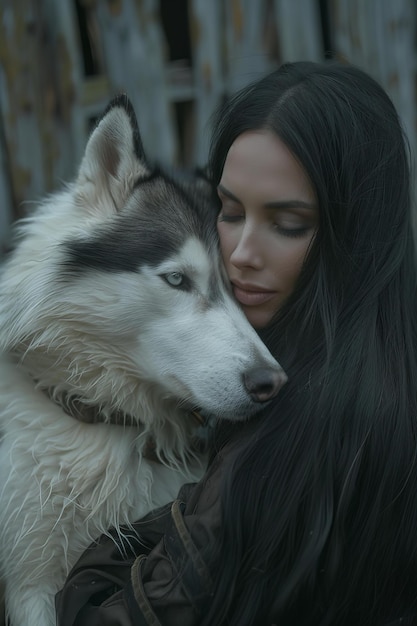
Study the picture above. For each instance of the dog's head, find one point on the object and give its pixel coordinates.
(115, 293)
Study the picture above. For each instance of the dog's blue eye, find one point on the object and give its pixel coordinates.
(177, 280)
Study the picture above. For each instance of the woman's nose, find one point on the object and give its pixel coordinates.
(248, 250)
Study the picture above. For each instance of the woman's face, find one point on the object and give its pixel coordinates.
(268, 218)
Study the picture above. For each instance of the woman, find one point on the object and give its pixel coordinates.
(308, 515)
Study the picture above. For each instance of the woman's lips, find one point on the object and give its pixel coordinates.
(251, 297)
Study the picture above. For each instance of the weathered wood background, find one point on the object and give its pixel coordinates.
(62, 60)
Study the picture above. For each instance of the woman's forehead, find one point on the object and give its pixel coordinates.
(260, 161)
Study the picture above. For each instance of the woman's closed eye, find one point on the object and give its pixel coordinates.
(285, 226)
(294, 222)
(230, 210)
(288, 218)
(231, 216)
(291, 227)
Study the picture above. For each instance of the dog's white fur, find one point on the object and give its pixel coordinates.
(128, 342)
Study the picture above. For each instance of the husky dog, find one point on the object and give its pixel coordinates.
(116, 323)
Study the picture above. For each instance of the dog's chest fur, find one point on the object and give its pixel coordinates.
(84, 478)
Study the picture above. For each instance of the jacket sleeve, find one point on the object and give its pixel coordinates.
(137, 584)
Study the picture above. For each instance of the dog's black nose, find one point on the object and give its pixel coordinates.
(263, 383)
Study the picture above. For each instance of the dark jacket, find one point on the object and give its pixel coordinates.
(156, 574)
(161, 573)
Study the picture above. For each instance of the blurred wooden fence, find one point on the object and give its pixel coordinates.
(61, 61)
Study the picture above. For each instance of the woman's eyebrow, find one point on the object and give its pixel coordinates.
(290, 204)
(278, 204)
(228, 193)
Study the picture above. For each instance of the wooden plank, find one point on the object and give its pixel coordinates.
(397, 69)
(379, 37)
(20, 98)
(7, 208)
(398, 62)
(6, 205)
(135, 58)
(299, 30)
(206, 22)
(246, 55)
(76, 109)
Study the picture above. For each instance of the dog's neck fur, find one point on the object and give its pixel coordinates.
(47, 363)
(83, 412)
(50, 363)
(90, 414)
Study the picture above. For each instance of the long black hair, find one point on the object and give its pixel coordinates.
(320, 495)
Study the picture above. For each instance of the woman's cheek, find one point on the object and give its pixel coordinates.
(225, 241)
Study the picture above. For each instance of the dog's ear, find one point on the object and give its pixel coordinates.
(114, 159)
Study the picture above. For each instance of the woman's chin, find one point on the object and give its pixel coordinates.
(257, 318)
